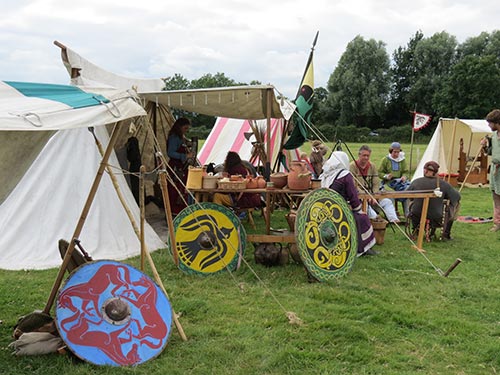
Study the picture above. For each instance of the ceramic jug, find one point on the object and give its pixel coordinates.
(299, 177)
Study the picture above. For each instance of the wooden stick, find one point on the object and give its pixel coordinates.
(83, 217)
(142, 170)
(160, 283)
(116, 185)
(452, 267)
(470, 168)
(168, 214)
(452, 148)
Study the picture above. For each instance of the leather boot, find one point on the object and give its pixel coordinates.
(446, 235)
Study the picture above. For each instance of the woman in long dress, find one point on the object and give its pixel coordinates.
(336, 176)
(179, 155)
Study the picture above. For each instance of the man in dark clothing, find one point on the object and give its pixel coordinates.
(443, 190)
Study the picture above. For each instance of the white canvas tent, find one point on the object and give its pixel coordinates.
(48, 161)
(444, 145)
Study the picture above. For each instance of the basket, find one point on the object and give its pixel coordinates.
(232, 185)
(210, 182)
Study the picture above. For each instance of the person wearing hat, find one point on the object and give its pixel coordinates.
(393, 171)
(436, 209)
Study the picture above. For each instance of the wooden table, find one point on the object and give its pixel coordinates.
(426, 195)
(203, 195)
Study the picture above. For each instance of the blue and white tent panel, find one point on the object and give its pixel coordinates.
(40, 106)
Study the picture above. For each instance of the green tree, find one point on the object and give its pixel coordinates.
(481, 45)
(404, 74)
(472, 88)
(176, 82)
(215, 80)
(434, 58)
(359, 86)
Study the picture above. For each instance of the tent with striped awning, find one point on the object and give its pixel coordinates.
(48, 162)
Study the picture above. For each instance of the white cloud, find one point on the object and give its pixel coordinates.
(265, 40)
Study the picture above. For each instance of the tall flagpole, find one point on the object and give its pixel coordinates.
(411, 141)
(308, 63)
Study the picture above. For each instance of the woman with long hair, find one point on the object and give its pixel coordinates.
(179, 155)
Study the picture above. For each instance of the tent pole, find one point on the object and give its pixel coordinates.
(168, 213)
(411, 149)
(142, 170)
(145, 253)
(268, 133)
(452, 148)
(83, 217)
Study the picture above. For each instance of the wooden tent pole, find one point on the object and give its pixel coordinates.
(452, 147)
(168, 214)
(142, 170)
(269, 103)
(83, 217)
(116, 185)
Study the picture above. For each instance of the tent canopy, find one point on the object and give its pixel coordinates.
(239, 102)
(444, 145)
(38, 106)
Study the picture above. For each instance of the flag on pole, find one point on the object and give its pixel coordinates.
(304, 103)
(420, 121)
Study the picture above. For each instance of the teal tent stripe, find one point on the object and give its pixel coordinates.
(69, 95)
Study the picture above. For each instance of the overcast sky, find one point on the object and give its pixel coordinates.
(264, 40)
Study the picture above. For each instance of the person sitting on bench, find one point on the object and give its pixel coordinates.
(438, 214)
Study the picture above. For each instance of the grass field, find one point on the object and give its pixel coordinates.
(392, 314)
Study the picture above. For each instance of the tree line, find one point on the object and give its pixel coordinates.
(370, 94)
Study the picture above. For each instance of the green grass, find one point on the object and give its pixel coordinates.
(392, 314)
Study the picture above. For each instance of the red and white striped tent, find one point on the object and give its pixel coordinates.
(237, 135)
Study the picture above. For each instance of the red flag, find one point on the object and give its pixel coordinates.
(420, 121)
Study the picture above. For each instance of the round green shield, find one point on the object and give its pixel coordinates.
(326, 234)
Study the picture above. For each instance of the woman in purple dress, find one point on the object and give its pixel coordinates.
(336, 176)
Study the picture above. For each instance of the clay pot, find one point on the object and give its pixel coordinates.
(251, 183)
(236, 177)
(299, 177)
(270, 255)
(279, 179)
(261, 182)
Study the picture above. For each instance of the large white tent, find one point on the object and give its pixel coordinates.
(444, 145)
(48, 161)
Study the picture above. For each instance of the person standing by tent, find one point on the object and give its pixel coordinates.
(393, 171)
(367, 179)
(179, 155)
(493, 149)
(336, 176)
(436, 209)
